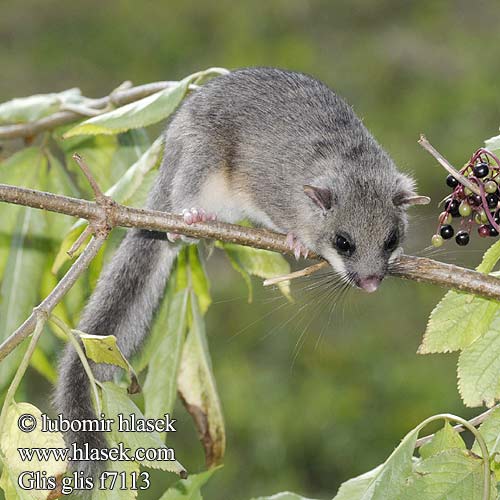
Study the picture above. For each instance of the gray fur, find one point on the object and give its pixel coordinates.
(244, 146)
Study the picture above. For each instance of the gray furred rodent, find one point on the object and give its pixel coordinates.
(276, 147)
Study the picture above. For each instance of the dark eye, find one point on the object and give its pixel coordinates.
(392, 242)
(343, 245)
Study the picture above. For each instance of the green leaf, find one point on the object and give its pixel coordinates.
(189, 489)
(199, 280)
(160, 387)
(117, 493)
(388, 477)
(261, 263)
(11, 438)
(122, 191)
(459, 318)
(444, 439)
(450, 475)
(197, 386)
(285, 495)
(116, 401)
(490, 432)
(43, 366)
(138, 114)
(493, 143)
(104, 349)
(128, 184)
(142, 113)
(20, 286)
(479, 369)
(26, 109)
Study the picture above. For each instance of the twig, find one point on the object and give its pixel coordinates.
(407, 267)
(40, 320)
(460, 428)
(57, 294)
(118, 97)
(447, 165)
(297, 274)
(98, 194)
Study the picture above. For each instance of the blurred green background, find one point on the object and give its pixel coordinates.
(314, 399)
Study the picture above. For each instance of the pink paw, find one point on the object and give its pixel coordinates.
(191, 216)
(296, 246)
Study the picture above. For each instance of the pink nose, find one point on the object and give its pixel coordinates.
(370, 283)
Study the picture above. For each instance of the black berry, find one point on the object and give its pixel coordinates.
(451, 181)
(481, 170)
(493, 231)
(462, 238)
(447, 232)
(451, 206)
(474, 200)
(492, 200)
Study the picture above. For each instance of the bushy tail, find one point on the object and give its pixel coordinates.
(123, 305)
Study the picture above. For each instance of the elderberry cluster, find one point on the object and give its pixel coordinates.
(472, 208)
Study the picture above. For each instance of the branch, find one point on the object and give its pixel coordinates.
(118, 97)
(407, 267)
(447, 165)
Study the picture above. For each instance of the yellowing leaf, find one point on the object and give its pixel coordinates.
(198, 389)
(104, 349)
(12, 438)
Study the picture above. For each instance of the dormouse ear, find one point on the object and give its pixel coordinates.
(408, 199)
(321, 196)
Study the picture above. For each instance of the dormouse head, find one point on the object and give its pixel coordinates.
(362, 222)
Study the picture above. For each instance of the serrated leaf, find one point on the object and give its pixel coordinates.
(387, 481)
(198, 389)
(160, 387)
(26, 109)
(459, 318)
(104, 349)
(490, 432)
(189, 489)
(444, 439)
(12, 438)
(116, 492)
(261, 263)
(116, 401)
(450, 475)
(479, 369)
(138, 114)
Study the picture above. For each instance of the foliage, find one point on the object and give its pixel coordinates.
(176, 358)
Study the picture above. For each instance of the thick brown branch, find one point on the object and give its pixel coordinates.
(116, 98)
(57, 294)
(408, 267)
